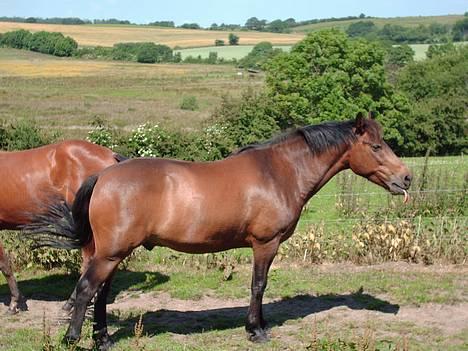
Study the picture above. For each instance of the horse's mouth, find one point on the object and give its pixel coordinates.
(397, 189)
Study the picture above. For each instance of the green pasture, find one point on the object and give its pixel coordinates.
(420, 50)
(226, 52)
(380, 22)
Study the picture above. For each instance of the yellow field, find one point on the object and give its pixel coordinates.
(106, 35)
(36, 68)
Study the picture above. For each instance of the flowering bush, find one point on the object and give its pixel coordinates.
(152, 140)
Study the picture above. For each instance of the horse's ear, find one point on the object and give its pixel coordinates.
(360, 123)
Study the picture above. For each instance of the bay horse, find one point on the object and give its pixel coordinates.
(252, 198)
(33, 179)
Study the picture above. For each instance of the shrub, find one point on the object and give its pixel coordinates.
(219, 42)
(65, 47)
(21, 135)
(233, 39)
(189, 103)
(147, 54)
(142, 52)
(18, 39)
(155, 141)
(102, 134)
(21, 253)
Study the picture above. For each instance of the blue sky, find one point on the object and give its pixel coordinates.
(205, 12)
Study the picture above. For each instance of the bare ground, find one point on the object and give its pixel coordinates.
(161, 311)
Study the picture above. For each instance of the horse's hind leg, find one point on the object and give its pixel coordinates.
(101, 337)
(264, 253)
(17, 302)
(87, 253)
(99, 271)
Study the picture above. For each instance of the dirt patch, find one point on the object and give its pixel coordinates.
(192, 316)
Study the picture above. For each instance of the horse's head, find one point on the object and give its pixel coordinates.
(370, 157)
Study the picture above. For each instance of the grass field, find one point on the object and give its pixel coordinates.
(68, 94)
(189, 308)
(380, 22)
(107, 35)
(226, 52)
(421, 49)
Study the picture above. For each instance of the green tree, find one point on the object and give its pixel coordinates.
(260, 53)
(233, 39)
(328, 76)
(360, 28)
(439, 95)
(460, 30)
(254, 23)
(400, 55)
(277, 26)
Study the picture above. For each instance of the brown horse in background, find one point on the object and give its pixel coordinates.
(31, 180)
(253, 198)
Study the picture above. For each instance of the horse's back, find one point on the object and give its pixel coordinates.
(33, 178)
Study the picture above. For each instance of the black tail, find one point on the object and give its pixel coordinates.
(119, 158)
(61, 227)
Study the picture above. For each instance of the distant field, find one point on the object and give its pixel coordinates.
(226, 52)
(67, 94)
(421, 49)
(403, 21)
(107, 35)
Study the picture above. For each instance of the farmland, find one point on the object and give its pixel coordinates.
(65, 93)
(380, 22)
(226, 52)
(106, 35)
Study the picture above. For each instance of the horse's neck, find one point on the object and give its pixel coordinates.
(308, 173)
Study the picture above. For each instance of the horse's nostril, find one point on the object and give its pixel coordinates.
(408, 178)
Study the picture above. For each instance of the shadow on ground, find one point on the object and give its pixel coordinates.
(58, 287)
(276, 313)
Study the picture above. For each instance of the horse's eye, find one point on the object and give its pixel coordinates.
(376, 147)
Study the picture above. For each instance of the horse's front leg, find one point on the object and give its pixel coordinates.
(18, 302)
(263, 253)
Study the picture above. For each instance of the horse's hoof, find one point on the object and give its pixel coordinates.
(258, 336)
(17, 306)
(70, 341)
(104, 344)
(12, 311)
(102, 340)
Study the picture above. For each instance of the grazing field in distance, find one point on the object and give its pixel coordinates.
(108, 35)
(380, 22)
(67, 94)
(226, 52)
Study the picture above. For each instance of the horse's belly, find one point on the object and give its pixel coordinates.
(198, 242)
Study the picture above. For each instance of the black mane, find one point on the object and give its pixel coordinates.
(320, 137)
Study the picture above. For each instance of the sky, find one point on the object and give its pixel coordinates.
(206, 12)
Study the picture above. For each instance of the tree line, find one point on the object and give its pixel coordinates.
(434, 32)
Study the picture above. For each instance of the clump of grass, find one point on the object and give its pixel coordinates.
(189, 103)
